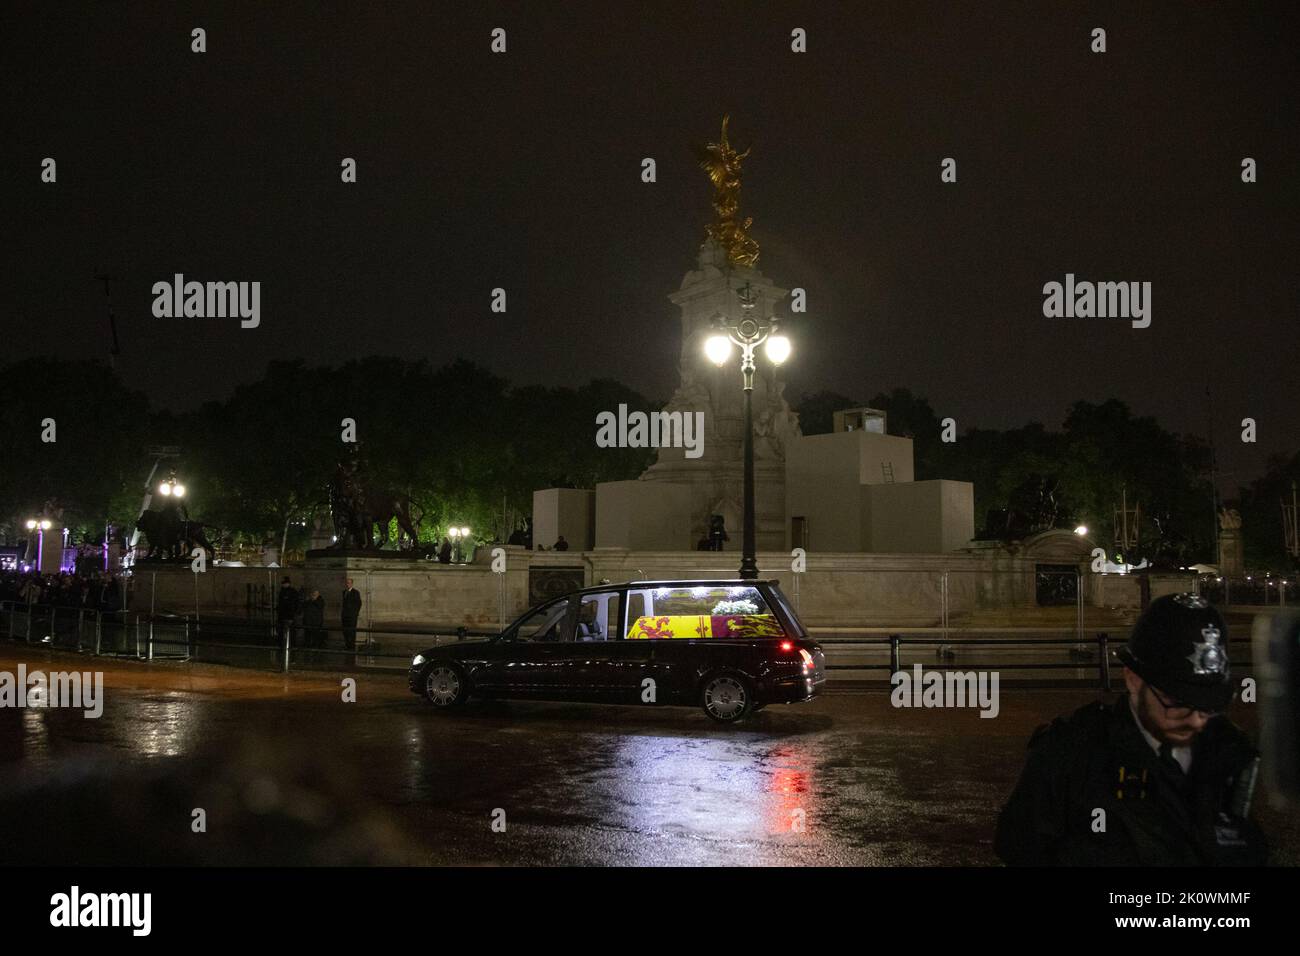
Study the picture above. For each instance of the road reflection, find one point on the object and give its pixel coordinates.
(167, 727)
(737, 787)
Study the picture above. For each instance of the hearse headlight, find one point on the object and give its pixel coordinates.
(417, 660)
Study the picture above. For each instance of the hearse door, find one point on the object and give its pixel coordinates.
(534, 652)
(591, 666)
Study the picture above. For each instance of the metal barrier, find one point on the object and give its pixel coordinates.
(260, 644)
(168, 637)
(54, 625)
(895, 642)
(17, 620)
(1255, 590)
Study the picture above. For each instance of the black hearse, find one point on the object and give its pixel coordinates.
(729, 646)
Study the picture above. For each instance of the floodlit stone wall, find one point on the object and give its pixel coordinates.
(836, 590)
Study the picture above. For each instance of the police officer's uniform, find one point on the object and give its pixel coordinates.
(1163, 806)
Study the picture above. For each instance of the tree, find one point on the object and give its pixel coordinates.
(1261, 514)
(1164, 472)
(88, 474)
(816, 411)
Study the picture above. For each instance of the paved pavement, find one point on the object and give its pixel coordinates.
(284, 771)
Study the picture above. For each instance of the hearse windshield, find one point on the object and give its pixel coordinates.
(542, 625)
(659, 612)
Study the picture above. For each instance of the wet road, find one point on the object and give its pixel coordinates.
(285, 771)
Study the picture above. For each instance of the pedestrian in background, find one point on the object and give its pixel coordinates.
(351, 612)
(286, 608)
(313, 623)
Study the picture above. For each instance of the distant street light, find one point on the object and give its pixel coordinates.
(457, 535)
(171, 488)
(748, 333)
(40, 526)
(1081, 530)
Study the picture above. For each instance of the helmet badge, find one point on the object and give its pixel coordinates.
(1207, 655)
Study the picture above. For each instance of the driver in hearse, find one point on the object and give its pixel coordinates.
(589, 628)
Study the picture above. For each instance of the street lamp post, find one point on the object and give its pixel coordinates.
(458, 535)
(40, 526)
(749, 333)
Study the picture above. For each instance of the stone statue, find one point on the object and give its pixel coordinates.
(714, 481)
(345, 502)
(356, 506)
(722, 163)
(171, 534)
(1232, 557)
(1229, 519)
(1032, 506)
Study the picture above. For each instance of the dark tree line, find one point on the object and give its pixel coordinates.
(467, 447)
(470, 449)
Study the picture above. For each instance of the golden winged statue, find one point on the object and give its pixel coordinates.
(722, 163)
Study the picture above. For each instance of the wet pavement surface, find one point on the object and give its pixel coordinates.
(285, 772)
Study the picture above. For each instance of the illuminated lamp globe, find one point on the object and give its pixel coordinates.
(718, 349)
(777, 349)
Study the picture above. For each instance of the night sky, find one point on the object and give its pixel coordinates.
(522, 171)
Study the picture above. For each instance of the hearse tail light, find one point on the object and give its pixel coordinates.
(807, 658)
(787, 645)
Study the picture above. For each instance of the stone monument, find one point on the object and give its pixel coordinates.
(727, 262)
(1232, 560)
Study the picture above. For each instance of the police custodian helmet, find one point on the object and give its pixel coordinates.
(1180, 646)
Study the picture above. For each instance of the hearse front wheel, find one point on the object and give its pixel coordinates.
(445, 686)
(726, 698)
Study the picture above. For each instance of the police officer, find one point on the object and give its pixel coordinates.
(1160, 777)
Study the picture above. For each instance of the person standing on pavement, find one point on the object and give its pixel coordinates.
(286, 608)
(351, 613)
(313, 624)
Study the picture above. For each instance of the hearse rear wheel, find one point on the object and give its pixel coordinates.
(445, 686)
(727, 698)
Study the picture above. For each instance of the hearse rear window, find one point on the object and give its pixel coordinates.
(661, 613)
